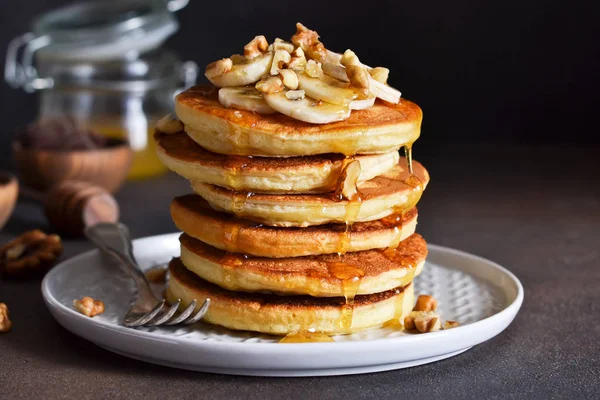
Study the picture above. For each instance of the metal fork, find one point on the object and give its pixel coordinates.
(147, 310)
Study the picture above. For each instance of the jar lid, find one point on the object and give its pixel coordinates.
(90, 31)
(106, 30)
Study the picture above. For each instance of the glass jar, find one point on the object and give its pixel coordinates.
(101, 63)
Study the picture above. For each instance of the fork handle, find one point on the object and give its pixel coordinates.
(114, 240)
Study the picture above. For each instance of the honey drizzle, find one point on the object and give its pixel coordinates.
(391, 252)
(350, 276)
(306, 337)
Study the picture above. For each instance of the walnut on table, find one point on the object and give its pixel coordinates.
(31, 254)
(88, 306)
(5, 322)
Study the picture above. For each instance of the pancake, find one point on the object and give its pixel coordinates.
(383, 128)
(363, 272)
(280, 315)
(308, 174)
(194, 216)
(384, 195)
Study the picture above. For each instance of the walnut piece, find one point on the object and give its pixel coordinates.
(30, 254)
(269, 85)
(450, 324)
(218, 68)
(348, 181)
(425, 302)
(380, 74)
(295, 94)
(308, 41)
(280, 44)
(88, 306)
(313, 69)
(5, 322)
(169, 125)
(357, 73)
(256, 47)
(298, 60)
(280, 60)
(157, 275)
(422, 321)
(289, 78)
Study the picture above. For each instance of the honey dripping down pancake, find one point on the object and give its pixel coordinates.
(382, 128)
(281, 315)
(379, 197)
(193, 215)
(308, 174)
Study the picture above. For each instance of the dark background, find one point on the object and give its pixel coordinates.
(503, 72)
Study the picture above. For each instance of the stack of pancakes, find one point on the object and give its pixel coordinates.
(270, 237)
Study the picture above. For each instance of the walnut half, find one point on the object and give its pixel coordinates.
(31, 254)
(88, 306)
(425, 302)
(5, 323)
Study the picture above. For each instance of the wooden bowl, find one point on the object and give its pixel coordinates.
(106, 167)
(9, 190)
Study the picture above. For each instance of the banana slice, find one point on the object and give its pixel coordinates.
(245, 72)
(333, 68)
(246, 98)
(384, 92)
(307, 109)
(362, 104)
(327, 89)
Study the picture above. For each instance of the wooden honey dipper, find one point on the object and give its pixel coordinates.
(70, 206)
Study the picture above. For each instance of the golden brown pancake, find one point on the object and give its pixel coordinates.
(381, 196)
(194, 216)
(326, 275)
(382, 128)
(308, 174)
(281, 315)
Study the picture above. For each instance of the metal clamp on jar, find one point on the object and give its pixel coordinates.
(102, 64)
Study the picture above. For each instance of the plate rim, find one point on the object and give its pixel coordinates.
(510, 309)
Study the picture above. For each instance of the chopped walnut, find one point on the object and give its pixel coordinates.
(380, 74)
(450, 324)
(422, 321)
(256, 47)
(313, 69)
(295, 94)
(298, 60)
(308, 41)
(289, 78)
(348, 181)
(218, 68)
(425, 302)
(88, 306)
(357, 73)
(30, 254)
(169, 125)
(5, 322)
(270, 85)
(280, 44)
(280, 60)
(157, 275)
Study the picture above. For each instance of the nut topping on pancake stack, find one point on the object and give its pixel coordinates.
(304, 214)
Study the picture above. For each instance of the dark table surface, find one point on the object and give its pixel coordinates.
(534, 210)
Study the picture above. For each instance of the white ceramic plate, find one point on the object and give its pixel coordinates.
(481, 295)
